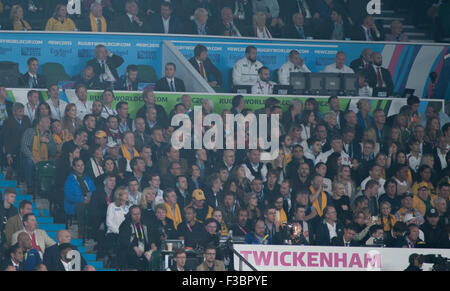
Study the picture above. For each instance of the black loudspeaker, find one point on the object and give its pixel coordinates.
(9, 74)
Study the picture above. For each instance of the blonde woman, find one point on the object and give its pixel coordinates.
(17, 21)
(60, 21)
(280, 165)
(217, 215)
(259, 26)
(344, 177)
(115, 215)
(243, 183)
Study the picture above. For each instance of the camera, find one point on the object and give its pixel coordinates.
(439, 263)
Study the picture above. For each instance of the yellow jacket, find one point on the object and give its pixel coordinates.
(18, 26)
(54, 24)
(420, 204)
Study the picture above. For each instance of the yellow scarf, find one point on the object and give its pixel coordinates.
(94, 23)
(223, 229)
(126, 153)
(315, 204)
(283, 217)
(59, 139)
(176, 217)
(388, 222)
(39, 150)
(18, 26)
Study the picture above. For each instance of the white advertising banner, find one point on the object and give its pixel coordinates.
(316, 258)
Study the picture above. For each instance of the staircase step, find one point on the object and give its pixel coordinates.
(52, 227)
(44, 220)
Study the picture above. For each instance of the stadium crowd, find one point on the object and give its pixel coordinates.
(297, 19)
(341, 178)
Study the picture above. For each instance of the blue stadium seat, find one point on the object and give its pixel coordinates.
(45, 212)
(44, 220)
(34, 205)
(90, 257)
(52, 234)
(5, 184)
(52, 227)
(76, 242)
(82, 250)
(24, 197)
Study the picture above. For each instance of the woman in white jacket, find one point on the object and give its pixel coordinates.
(115, 215)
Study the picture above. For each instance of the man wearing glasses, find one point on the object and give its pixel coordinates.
(210, 263)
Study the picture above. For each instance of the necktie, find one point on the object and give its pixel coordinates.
(380, 80)
(202, 70)
(172, 87)
(99, 25)
(301, 32)
(34, 82)
(103, 67)
(34, 244)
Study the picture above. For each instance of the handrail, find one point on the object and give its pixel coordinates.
(242, 259)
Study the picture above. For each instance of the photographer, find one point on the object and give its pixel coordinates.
(415, 263)
(376, 236)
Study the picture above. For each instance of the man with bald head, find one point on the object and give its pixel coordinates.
(51, 255)
(379, 77)
(31, 257)
(339, 65)
(363, 62)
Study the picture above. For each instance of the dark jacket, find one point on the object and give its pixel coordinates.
(291, 32)
(191, 28)
(163, 86)
(372, 79)
(339, 242)
(359, 34)
(5, 214)
(323, 235)
(161, 115)
(221, 29)
(435, 237)
(157, 25)
(52, 259)
(212, 73)
(12, 134)
(358, 65)
(24, 81)
(122, 85)
(113, 62)
(123, 24)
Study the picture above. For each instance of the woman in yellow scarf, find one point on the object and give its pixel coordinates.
(217, 215)
(17, 21)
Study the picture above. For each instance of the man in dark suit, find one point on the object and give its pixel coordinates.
(52, 258)
(329, 228)
(200, 24)
(205, 67)
(305, 7)
(141, 137)
(105, 66)
(298, 29)
(346, 239)
(439, 153)
(336, 27)
(14, 259)
(130, 21)
(363, 62)
(12, 132)
(31, 79)
(130, 81)
(368, 31)
(378, 77)
(169, 83)
(228, 26)
(88, 78)
(150, 101)
(165, 22)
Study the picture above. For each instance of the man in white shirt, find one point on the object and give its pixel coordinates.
(374, 174)
(57, 105)
(108, 110)
(245, 71)
(294, 65)
(339, 65)
(338, 147)
(83, 105)
(263, 86)
(32, 104)
(253, 166)
(314, 152)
